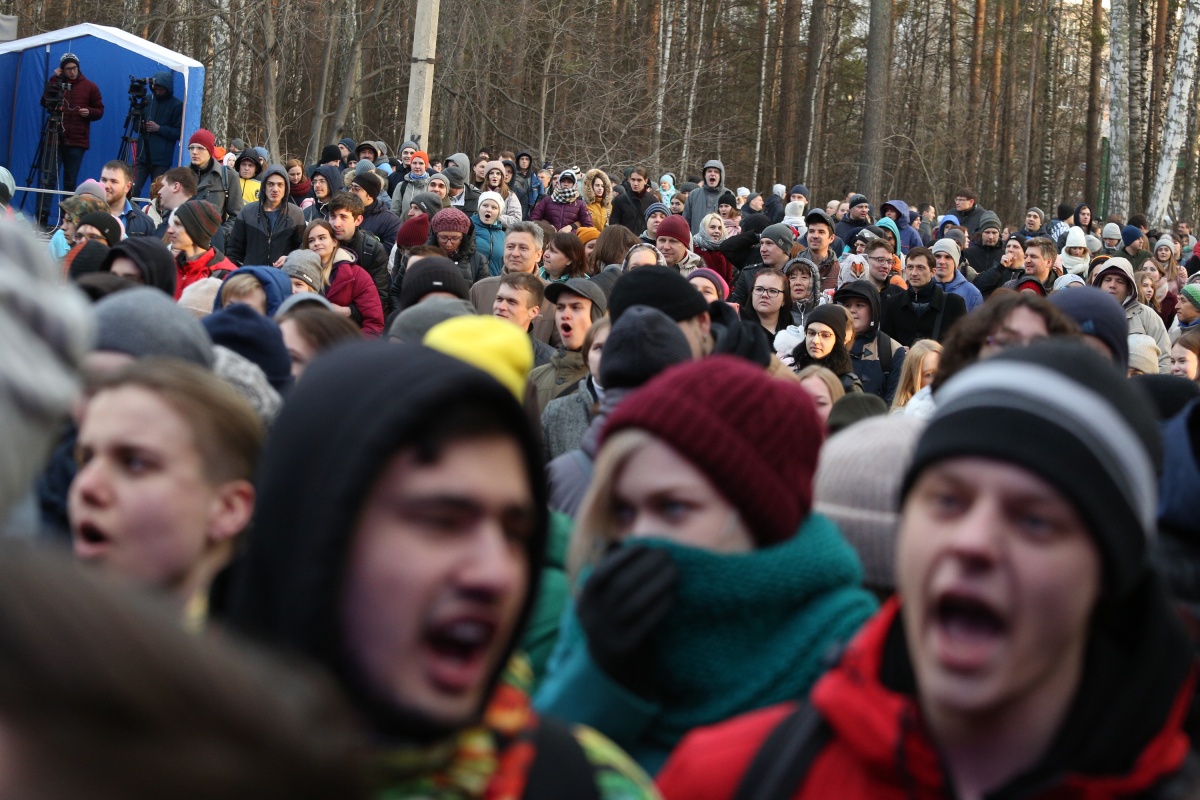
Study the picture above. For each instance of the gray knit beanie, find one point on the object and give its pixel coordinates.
(781, 235)
(144, 322)
(857, 485)
(249, 381)
(305, 265)
(46, 328)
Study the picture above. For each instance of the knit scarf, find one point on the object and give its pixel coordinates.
(750, 630)
(489, 761)
(302, 189)
(565, 196)
(702, 241)
(414, 178)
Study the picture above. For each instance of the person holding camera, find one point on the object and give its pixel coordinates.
(78, 101)
(160, 131)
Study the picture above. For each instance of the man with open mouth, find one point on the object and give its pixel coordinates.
(408, 566)
(1030, 650)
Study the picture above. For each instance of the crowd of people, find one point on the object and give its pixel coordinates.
(399, 476)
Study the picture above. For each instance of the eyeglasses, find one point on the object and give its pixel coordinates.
(763, 290)
(449, 237)
(814, 334)
(880, 260)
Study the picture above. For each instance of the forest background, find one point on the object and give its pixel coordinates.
(1031, 102)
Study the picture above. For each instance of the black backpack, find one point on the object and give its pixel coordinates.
(781, 764)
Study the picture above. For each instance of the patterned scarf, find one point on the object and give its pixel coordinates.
(564, 195)
(486, 762)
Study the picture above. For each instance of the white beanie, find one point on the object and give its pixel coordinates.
(1143, 353)
(494, 196)
(1076, 237)
(1111, 231)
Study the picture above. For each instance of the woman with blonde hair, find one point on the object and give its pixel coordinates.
(920, 364)
(708, 589)
(824, 386)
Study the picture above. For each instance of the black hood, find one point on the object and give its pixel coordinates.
(152, 259)
(863, 290)
(356, 408)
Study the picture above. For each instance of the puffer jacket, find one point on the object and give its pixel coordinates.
(350, 286)
(489, 241)
(402, 197)
(255, 239)
(377, 219)
(562, 215)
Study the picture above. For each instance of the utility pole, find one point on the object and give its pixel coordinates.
(420, 79)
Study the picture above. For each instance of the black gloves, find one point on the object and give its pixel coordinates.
(630, 593)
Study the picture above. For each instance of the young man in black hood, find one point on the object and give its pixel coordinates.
(408, 566)
(878, 359)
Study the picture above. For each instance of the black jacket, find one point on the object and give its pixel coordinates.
(630, 210)
(991, 280)
(472, 263)
(901, 321)
(256, 240)
(374, 259)
(983, 258)
(379, 220)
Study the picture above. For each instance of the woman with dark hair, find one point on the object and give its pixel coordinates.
(611, 246)
(826, 331)
(564, 258)
(308, 329)
(769, 300)
(494, 180)
(804, 282)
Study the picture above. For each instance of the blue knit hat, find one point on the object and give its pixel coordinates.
(659, 207)
(1130, 234)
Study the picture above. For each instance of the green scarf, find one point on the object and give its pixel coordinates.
(754, 629)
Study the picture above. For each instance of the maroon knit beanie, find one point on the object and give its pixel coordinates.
(762, 462)
(206, 140)
(451, 220)
(414, 231)
(676, 227)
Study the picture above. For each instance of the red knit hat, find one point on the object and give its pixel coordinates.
(677, 228)
(414, 231)
(206, 139)
(763, 463)
(421, 154)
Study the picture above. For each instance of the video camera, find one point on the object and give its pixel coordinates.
(139, 90)
(55, 96)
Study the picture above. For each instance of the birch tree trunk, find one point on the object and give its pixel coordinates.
(667, 29)
(316, 128)
(1176, 125)
(1138, 35)
(1118, 110)
(697, 65)
(216, 99)
(765, 11)
(270, 73)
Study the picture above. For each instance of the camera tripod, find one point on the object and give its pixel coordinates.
(133, 126)
(46, 163)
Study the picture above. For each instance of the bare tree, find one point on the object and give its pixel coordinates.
(1181, 89)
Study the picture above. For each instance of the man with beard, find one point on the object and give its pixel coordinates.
(409, 567)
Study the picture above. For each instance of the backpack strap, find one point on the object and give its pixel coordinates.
(560, 769)
(884, 345)
(781, 764)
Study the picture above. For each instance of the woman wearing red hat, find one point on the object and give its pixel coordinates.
(708, 588)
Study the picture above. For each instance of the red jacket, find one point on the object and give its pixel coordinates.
(350, 283)
(718, 263)
(77, 130)
(878, 747)
(188, 272)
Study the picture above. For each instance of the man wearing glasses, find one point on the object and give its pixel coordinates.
(79, 101)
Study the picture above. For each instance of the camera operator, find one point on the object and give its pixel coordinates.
(160, 131)
(80, 103)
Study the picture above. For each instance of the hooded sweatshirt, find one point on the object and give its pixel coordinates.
(158, 148)
(703, 201)
(1141, 318)
(262, 237)
(908, 235)
(276, 285)
(868, 350)
(150, 256)
(333, 177)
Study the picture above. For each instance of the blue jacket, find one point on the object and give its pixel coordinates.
(275, 282)
(136, 221)
(964, 289)
(908, 235)
(489, 241)
(158, 148)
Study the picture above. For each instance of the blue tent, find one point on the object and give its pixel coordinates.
(108, 57)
